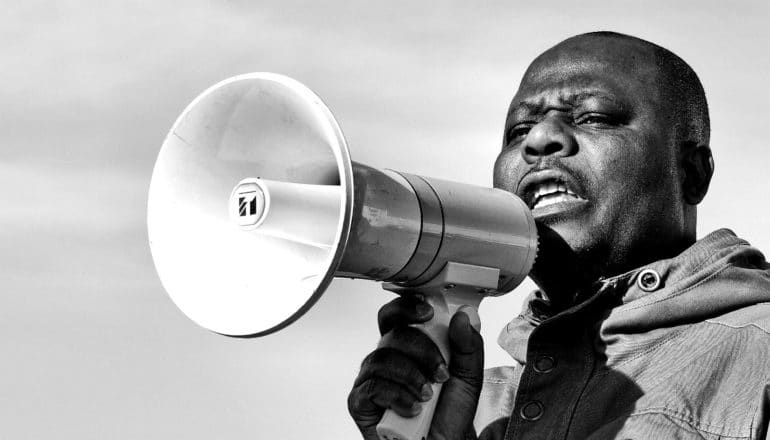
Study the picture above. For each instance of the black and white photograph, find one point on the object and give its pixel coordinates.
(499, 220)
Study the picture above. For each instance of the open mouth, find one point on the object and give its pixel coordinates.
(551, 192)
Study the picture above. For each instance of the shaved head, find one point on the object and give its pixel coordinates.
(681, 90)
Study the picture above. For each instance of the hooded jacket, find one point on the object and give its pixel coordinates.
(677, 349)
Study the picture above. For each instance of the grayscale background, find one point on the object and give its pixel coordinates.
(92, 348)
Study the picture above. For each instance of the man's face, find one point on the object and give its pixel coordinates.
(589, 145)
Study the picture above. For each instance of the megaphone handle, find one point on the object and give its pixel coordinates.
(394, 427)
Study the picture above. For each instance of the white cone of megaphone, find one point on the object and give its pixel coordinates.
(255, 205)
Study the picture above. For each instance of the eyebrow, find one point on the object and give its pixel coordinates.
(563, 100)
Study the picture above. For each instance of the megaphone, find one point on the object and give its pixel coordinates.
(255, 205)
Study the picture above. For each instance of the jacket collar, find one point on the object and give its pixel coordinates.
(715, 275)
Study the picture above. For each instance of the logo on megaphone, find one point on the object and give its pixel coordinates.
(255, 205)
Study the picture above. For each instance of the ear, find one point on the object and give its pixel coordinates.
(697, 167)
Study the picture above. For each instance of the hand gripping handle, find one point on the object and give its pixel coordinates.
(394, 427)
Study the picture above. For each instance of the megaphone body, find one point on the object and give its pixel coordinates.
(255, 206)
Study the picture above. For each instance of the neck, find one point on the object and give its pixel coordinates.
(561, 273)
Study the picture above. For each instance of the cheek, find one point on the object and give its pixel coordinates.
(619, 179)
(630, 162)
(638, 187)
(505, 170)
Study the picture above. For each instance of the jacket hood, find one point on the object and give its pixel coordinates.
(716, 275)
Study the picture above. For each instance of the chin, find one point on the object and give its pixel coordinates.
(574, 226)
(569, 258)
(567, 239)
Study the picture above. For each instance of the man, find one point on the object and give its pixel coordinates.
(637, 330)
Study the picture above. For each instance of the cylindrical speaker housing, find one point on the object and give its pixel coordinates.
(385, 225)
(406, 228)
(482, 227)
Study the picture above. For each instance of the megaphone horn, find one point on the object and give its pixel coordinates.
(255, 205)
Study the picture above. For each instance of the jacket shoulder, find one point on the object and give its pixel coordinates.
(756, 316)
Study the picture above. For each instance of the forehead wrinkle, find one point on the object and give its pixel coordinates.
(563, 99)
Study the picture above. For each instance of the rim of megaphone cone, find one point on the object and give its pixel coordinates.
(341, 153)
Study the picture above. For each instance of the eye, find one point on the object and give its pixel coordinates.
(517, 133)
(595, 119)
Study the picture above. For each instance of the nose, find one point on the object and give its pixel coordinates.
(548, 137)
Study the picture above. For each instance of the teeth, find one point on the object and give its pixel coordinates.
(549, 193)
(552, 199)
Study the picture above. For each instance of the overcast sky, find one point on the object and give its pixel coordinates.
(92, 346)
